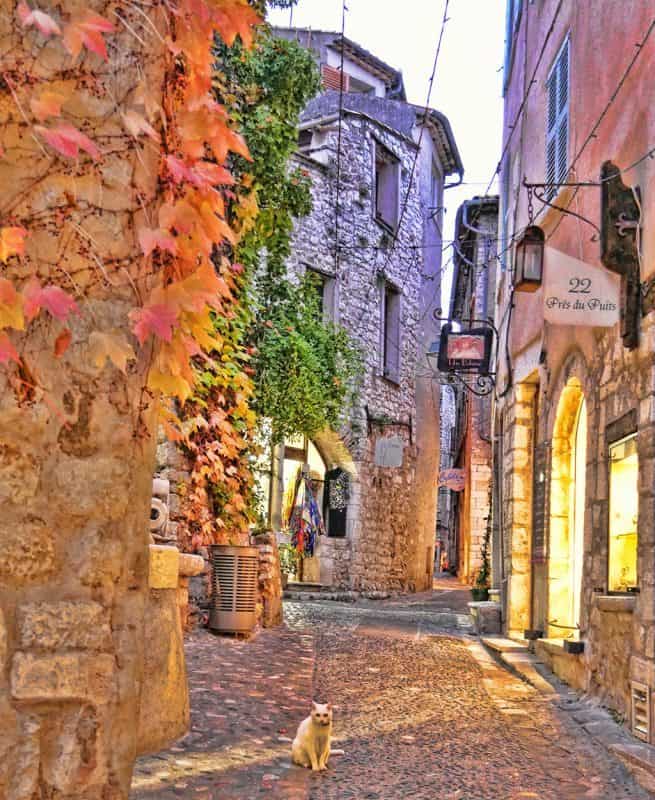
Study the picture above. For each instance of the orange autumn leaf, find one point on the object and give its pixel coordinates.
(62, 342)
(48, 104)
(86, 31)
(136, 125)
(170, 385)
(110, 346)
(11, 306)
(12, 242)
(153, 238)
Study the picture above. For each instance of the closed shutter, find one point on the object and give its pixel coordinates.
(557, 121)
(332, 78)
(391, 334)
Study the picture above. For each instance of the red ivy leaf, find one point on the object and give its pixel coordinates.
(156, 319)
(68, 140)
(7, 350)
(55, 301)
(44, 22)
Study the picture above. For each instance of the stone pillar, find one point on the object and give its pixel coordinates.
(521, 438)
(76, 432)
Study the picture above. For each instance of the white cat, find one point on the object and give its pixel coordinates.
(311, 747)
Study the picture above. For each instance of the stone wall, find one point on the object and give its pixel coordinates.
(384, 546)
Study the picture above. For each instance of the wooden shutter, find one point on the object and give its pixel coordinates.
(331, 78)
(392, 338)
(387, 186)
(557, 121)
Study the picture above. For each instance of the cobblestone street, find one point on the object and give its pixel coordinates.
(420, 711)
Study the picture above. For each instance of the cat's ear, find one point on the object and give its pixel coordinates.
(329, 706)
(314, 705)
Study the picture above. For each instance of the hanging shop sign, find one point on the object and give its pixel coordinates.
(453, 479)
(389, 452)
(576, 293)
(466, 350)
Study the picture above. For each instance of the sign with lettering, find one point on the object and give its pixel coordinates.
(453, 479)
(389, 452)
(577, 293)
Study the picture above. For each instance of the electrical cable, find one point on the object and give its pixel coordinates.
(338, 175)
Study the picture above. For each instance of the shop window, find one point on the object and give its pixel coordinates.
(387, 186)
(623, 515)
(391, 333)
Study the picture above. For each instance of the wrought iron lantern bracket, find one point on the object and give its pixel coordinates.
(469, 370)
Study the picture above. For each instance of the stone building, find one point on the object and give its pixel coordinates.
(472, 299)
(574, 420)
(381, 283)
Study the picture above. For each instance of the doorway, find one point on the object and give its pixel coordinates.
(567, 514)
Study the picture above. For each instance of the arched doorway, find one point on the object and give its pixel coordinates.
(567, 513)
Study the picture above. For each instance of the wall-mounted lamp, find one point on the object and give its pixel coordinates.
(529, 260)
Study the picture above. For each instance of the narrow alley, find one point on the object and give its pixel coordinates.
(421, 712)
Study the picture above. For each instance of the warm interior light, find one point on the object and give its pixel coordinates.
(624, 510)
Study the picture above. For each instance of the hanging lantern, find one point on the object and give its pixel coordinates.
(529, 260)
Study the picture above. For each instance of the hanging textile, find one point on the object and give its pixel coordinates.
(290, 497)
(305, 521)
(335, 501)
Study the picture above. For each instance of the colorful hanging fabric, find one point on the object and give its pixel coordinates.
(306, 522)
(290, 498)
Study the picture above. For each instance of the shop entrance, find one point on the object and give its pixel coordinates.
(567, 513)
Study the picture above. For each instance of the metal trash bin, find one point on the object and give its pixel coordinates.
(235, 574)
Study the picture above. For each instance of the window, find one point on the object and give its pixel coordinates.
(387, 186)
(391, 333)
(305, 137)
(324, 285)
(623, 514)
(557, 120)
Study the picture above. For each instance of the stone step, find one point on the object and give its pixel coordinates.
(502, 644)
(640, 754)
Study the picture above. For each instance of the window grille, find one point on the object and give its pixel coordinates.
(557, 120)
(640, 711)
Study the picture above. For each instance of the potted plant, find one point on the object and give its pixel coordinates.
(288, 562)
(480, 588)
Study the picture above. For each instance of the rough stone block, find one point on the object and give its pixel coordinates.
(164, 566)
(191, 565)
(28, 551)
(62, 676)
(74, 625)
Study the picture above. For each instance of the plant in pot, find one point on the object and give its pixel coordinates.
(480, 588)
(288, 562)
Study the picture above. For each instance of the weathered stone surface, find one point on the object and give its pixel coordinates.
(190, 565)
(75, 625)
(164, 710)
(28, 551)
(164, 566)
(72, 757)
(19, 475)
(62, 676)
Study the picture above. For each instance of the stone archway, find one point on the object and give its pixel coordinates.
(567, 512)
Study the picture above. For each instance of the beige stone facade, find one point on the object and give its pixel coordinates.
(574, 421)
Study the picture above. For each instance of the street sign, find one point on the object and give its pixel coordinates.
(389, 452)
(577, 293)
(453, 479)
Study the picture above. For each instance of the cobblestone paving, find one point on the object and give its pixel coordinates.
(246, 700)
(418, 717)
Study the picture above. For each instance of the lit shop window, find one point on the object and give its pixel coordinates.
(624, 508)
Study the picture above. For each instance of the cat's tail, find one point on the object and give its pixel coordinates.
(337, 752)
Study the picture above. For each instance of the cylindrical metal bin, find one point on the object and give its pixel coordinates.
(235, 572)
